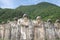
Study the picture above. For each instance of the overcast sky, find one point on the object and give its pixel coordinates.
(16, 3)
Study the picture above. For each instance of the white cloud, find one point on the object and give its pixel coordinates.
(6, 3)
(16, 3)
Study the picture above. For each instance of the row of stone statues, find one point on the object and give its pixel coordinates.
(27, 29)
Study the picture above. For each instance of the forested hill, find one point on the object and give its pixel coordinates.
(44, 9)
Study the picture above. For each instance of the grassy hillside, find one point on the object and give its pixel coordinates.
(44, 9)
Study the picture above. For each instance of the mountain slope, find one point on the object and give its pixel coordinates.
(44, 9)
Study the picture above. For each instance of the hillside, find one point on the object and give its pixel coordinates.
(44, 9)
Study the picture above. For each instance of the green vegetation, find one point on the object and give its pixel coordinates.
(44, 9)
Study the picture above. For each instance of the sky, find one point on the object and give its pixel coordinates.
(15, 3)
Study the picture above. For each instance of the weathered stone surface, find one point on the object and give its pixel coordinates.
(50, 30)
(39, 32)
(1, 31)
(27, 29)
(57, 29)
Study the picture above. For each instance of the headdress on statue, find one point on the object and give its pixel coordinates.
(58, 21)
(49, 20)
(25, 15)
(38, 17)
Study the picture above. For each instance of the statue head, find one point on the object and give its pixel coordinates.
(57, 21)
(25, 15)
(49, 20)
(38, 17)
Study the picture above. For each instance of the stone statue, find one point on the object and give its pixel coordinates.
(50, 31)
(1, 31)
(39, 33)
(26, 27)
(13, 29)
(57, 28)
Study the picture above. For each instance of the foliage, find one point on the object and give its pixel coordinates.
(45, 10)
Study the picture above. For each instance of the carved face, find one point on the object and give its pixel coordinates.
(25, 22)
(38, 21)
(25, 19)
(57, 25)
